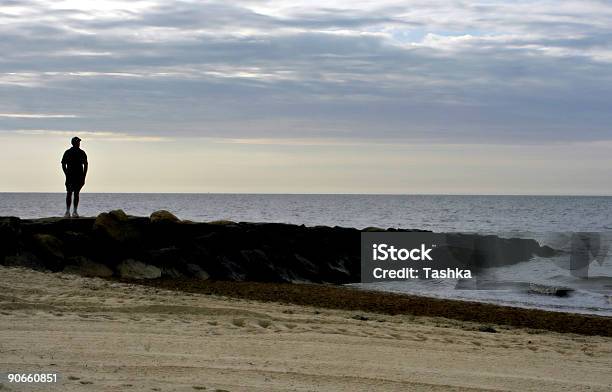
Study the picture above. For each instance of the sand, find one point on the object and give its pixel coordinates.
(109, 336)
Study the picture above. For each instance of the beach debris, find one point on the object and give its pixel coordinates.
(360, 317)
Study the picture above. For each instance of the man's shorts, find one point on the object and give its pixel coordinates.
(74, 183)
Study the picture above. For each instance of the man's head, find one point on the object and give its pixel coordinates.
(76, 141)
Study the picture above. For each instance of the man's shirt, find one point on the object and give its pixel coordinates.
(74, 158)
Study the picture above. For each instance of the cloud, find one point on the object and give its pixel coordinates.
(501, 72)
(301, 142)
(37, 115)
(95, 135)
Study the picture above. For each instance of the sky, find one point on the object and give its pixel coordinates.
(293, 96)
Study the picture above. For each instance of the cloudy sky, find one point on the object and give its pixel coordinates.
(494, 97)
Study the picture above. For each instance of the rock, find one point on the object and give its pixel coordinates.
(115, 225)
(306, 264)
(134, 269)
(78, 242)
(196, 271)
(549, 290)
(165, 257)
(222, 222)
(85, 267)
(10, 230)
(546, 251)
(48, 246)
(487, 328)
(170, 273)
(118, 214)
(163, 216)
(25, 259)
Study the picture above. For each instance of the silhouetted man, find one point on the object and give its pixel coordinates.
(74, 165)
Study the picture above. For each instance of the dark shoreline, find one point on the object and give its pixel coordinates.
(347, 298)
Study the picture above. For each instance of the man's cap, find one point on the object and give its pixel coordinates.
(76, 139)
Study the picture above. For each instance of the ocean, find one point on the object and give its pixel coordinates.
(549, 219)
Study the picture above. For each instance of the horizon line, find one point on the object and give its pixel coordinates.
(321, 194)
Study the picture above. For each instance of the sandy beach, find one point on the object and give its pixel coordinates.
(100, 335)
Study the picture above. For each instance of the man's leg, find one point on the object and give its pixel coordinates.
(76, 203)
(68, 202)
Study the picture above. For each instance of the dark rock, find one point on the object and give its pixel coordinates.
(171, 273)
(10, 232)
(24, 259)
(487, 328)
(223, 223)
(77, 243)
(134, 269)
(549, 290)
(85, 267)
(147, 248)
(117, 237)
(546, 251)
(163, 216)
(48, 246)
(197, 272)
(115, 226)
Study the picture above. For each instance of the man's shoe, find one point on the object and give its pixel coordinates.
(67, 214)
(75, 214)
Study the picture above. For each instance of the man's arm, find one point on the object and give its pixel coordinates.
(64, 165)
(85, 166)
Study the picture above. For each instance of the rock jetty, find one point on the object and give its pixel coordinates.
(114, 244)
